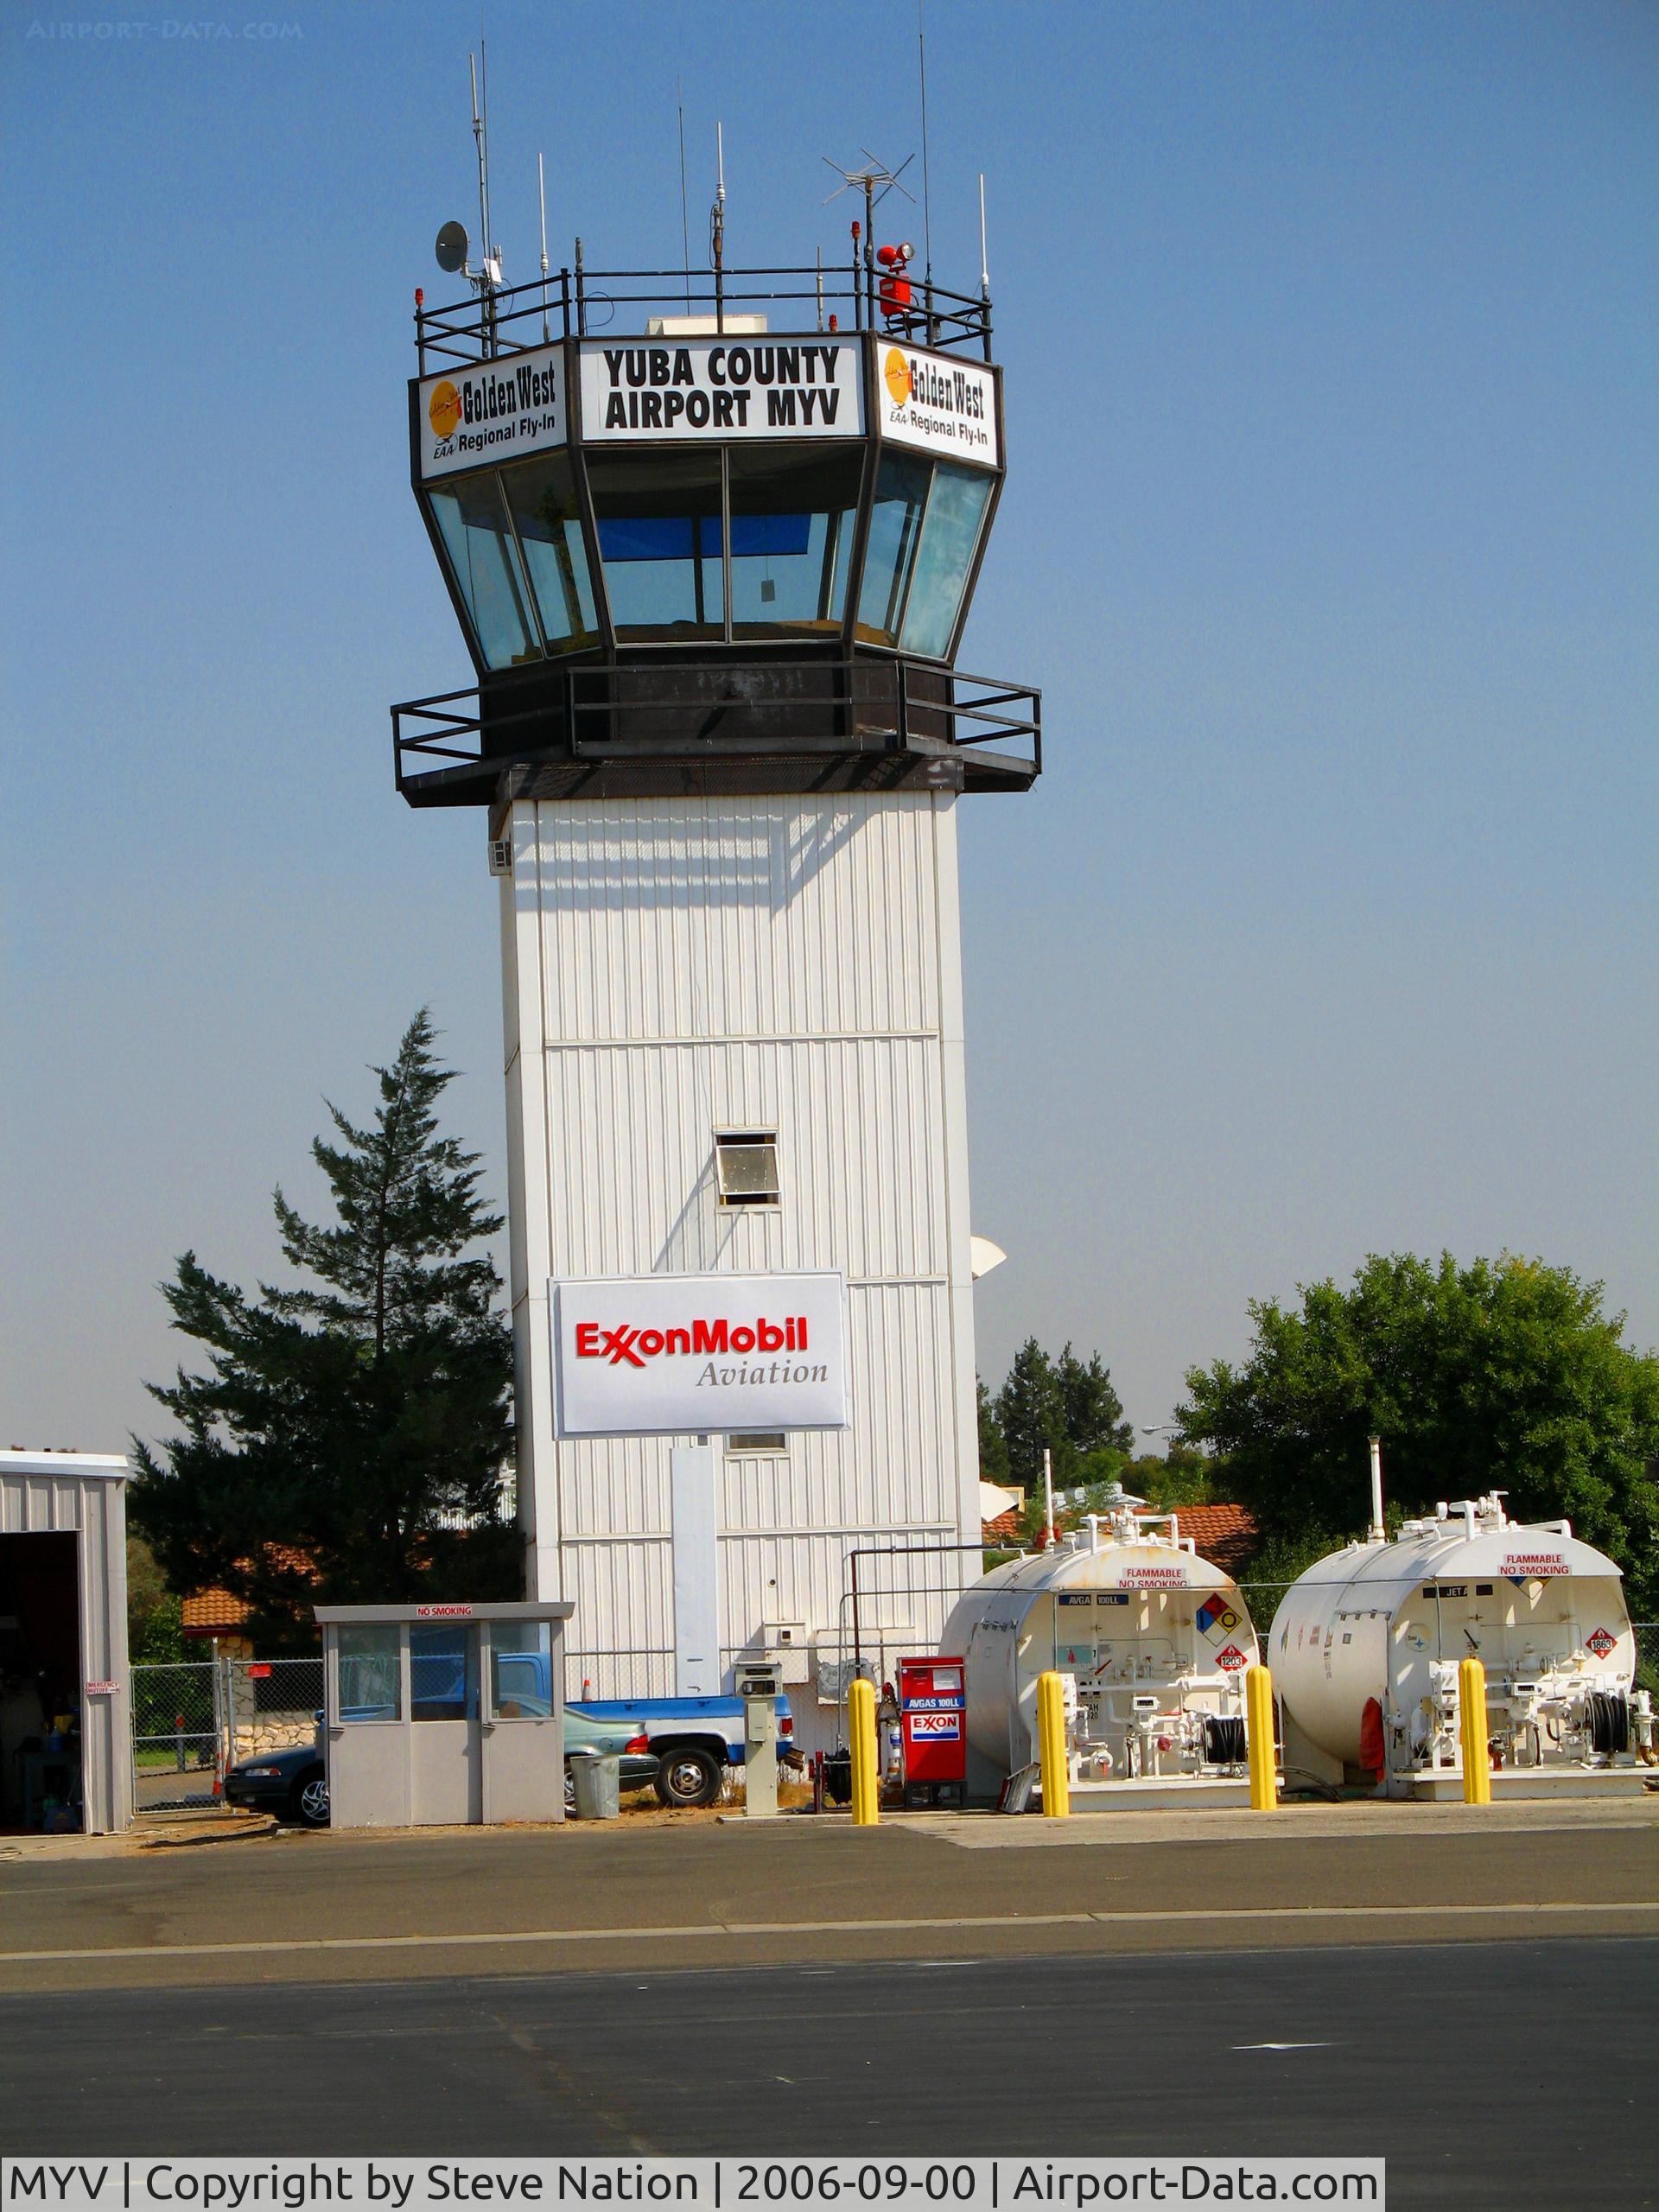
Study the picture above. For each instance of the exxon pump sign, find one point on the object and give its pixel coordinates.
(688, 1355)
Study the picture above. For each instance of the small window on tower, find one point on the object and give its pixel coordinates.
(757, 1443)
(746, 1163)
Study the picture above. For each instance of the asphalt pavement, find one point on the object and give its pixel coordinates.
(1472, 1993)
(1513, 2075)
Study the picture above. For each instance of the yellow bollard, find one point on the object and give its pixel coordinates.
(1050, 1746)
(1471, 1706)
(860, 1725)
(1258, 1739)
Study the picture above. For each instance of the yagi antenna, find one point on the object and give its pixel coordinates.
(868, 180)
(875, 181)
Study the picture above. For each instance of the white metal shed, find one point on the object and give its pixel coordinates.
(63, 1641)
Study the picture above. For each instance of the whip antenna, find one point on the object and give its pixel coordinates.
(685, 226)
(541, 194)
(927, 225)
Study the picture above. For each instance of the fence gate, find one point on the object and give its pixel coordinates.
(194, 1720)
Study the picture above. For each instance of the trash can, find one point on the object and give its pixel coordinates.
(596, 1777)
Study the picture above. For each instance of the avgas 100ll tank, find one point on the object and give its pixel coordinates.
(1151, 1642)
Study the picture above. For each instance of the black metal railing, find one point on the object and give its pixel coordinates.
(632, 712)
(589, 304)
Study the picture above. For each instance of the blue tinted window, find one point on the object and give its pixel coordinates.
(895, 527)
(658, 521)
(543, 497)
(472, 519)
(956, 508)
(793, 509)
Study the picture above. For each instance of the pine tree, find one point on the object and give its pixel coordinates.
(993, 1445)
(343, 1420)
(1090, 1409)
(1032, 1414)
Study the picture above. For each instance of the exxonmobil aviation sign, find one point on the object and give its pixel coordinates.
(677, 1355)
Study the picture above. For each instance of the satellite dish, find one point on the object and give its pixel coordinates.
(451, 249)
(983, 1255)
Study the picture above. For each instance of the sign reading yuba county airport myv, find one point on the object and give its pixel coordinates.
(677, 1355)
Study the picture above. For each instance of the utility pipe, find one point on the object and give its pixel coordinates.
(1378, 1534)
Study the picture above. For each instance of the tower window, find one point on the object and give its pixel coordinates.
(757, 1443)
(745, 1166)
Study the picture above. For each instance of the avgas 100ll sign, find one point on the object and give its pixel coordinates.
(676, 1355)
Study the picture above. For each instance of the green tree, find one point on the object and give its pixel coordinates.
(155, 1616)
(1091, 1412)
(1031, 1414)
(342, 1423)
(1503, 1375)
(993, 1445)
(1182, 1476)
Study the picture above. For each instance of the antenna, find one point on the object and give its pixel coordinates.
(875, 181)
(717, 226)
(685, 226)
(927, 226)
(541, 194)
(984, 271)
(487, 276)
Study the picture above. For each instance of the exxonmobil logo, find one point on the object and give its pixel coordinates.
(668, 1355)
(701, 1340)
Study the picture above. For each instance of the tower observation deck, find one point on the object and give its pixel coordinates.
(702, 536)
(711, 541)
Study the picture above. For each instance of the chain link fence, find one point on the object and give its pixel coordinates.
(195, 1720)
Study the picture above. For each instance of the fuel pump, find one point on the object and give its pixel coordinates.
(758, 1681)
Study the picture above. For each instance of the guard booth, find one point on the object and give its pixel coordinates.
(66, 1748)
(443, 1716)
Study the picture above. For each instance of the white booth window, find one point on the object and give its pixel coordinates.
(443, 1671)
(521, 1670)
(370, 1675)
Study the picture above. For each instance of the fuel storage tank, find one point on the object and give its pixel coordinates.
(1151, 1640)
(1390, 1622)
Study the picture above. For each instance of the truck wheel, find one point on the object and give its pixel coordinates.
(310, 1799)
(689, 1776)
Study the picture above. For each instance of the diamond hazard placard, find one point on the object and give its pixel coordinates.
(1231, 1659)
(1600, 1643)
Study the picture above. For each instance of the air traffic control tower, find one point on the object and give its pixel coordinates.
(711, 543)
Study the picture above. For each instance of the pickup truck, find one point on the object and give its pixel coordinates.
(695, 1739)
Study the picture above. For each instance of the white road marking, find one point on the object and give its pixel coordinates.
(723, 1930)
(1284, 2046)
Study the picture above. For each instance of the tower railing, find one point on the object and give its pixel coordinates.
(597, 302)
(599, 714)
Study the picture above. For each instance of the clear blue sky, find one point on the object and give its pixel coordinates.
(1330, 334)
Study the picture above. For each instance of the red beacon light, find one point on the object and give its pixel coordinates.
(894, 292)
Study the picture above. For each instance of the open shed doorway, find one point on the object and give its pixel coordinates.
(40, 1680)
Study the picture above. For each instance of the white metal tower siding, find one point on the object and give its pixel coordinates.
(675, 966)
